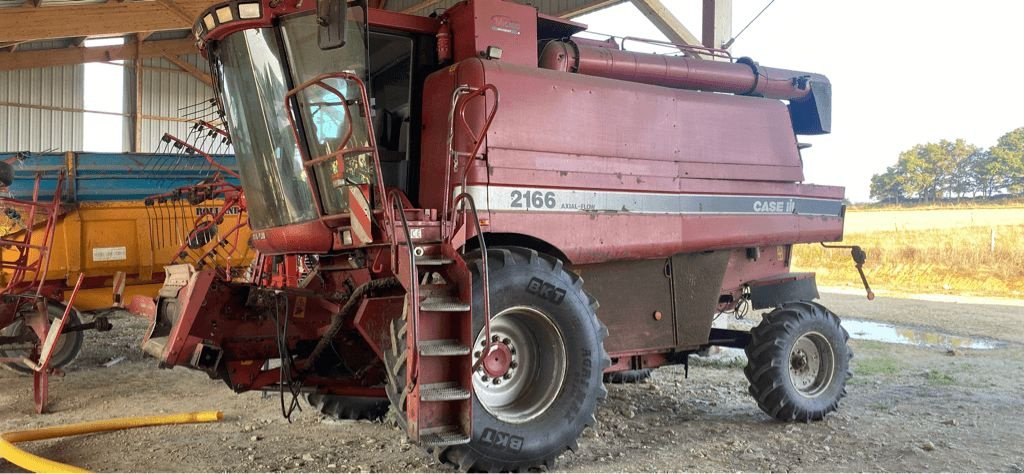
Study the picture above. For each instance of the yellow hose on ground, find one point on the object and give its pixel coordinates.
(35, 463)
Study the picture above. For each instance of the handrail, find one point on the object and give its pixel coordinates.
(685, 48)
(478, 139)
(414, 292)
(460, 99)
(342, 149)
(446, 189)
(484, 276)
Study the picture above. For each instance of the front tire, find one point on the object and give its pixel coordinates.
(534, 294)
(547, 318)
(798, 362)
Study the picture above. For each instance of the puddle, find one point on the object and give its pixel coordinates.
(882, 332)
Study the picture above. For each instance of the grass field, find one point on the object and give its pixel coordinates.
(947, 251)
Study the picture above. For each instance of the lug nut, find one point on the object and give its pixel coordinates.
(483, 343)
(494, 338)
(513, 365)
(476, 354)
(484, 378)
(496, 381)
(506, 341)
(506, 376)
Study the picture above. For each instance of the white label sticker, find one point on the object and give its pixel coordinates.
(109, 254)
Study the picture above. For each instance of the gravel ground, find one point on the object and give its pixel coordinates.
(909, 409)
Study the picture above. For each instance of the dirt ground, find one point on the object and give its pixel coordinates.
(909, 408)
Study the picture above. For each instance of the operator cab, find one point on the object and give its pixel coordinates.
(263, 58)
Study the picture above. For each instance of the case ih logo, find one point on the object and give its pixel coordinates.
(775, 206)
(504, 24)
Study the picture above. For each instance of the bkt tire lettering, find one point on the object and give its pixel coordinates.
(545, 290)
(581, 378)
(502, 440)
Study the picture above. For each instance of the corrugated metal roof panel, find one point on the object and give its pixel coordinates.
(35, 129)
(168, 35)
(168, 92)
(46, 44)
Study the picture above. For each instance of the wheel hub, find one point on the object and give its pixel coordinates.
(521, 370)
(811, 364)
(498, 361)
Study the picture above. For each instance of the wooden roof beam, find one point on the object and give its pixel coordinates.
(176, 9)
(667, 23)
(716, 26)
(65, 56)
(192, 70)
(589, 7)
(98, 19)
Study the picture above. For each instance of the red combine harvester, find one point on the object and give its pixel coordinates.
(439, 205)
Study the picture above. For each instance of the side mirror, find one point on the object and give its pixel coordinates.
(331, 16)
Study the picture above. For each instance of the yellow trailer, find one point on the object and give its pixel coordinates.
(108, 228)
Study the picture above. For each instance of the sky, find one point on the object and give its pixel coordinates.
(902, 72)
(104, 92)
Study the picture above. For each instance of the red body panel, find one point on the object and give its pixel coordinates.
(509, 26)
(564, 131)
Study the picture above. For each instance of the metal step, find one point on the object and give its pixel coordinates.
(447, 304)
(443, 436)
(443, 392)
(431, 260)
(442, 348)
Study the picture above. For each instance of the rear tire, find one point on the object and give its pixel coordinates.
(343, 407)
(798, 362)
(627, 376)
(69, 345)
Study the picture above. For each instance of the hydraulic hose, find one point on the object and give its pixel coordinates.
(35, 463)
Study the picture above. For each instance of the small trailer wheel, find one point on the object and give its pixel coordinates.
(69, 345)
(6, 173)
(798, 362)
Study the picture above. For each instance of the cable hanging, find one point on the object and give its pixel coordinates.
(733, 39)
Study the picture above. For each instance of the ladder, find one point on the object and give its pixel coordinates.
(439, 337)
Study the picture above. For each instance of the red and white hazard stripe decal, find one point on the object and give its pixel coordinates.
(359, 212)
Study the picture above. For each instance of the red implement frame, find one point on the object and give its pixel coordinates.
(227, 244)
(25, 288)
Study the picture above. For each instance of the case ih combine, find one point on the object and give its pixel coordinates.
(472, 217)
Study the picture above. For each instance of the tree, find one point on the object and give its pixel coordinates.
(887, 186)
(948, 169)
(1005, 166)
(955, 168)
